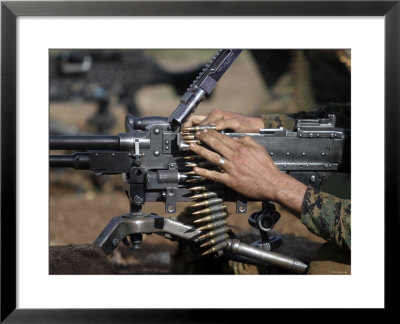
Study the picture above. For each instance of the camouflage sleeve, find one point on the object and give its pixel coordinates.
(288, 121)
(327, 216)
(278, 120)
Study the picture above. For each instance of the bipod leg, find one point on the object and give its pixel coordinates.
(121, 226)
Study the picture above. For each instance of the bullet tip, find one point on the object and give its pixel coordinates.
(207, 252)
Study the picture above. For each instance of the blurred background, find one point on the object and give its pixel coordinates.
(91, 91)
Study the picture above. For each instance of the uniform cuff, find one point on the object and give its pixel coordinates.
(315, 213)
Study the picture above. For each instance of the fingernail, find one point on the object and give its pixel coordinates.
(192, 145)
(196, 169)
(198, 133)
(205, 130)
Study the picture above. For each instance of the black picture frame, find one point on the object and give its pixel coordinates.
(10, 10)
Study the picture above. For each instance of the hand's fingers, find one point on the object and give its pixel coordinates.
(213, 116)
(212, 175)
(194, 120)
(217, 146)
(188, 123)
(247, 140)
(208, 155)
(232, 124)
(198, 119)
(253, 145)
(219, 142)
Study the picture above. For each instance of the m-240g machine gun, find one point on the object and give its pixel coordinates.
(154, 156)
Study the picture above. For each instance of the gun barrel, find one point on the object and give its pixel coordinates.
(76, 161)
(270, 257)
(87, 142)
(203, 85)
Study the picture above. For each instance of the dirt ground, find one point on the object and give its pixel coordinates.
(79, 210)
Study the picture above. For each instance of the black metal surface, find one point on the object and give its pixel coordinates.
(84, 142)
(203, 85)
(214, 72)
(76, 161)
(142, 122)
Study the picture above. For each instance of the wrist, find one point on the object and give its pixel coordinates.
(258, 123)
(290, 193)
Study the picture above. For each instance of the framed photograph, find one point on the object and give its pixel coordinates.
(140, 57)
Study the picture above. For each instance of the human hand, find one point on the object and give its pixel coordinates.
(248, 169)
(193, 120)
(227, 120)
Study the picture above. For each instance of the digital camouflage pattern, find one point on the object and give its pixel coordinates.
(327, 216)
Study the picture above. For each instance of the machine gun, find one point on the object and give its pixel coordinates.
(154, 156)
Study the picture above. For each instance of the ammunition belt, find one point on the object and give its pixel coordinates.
(209, 208)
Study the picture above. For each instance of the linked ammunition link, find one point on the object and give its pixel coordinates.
(209, 206)
(212, 219)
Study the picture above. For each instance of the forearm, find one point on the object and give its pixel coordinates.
(290, 193)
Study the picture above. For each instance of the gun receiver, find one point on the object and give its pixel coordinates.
(153, 154)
